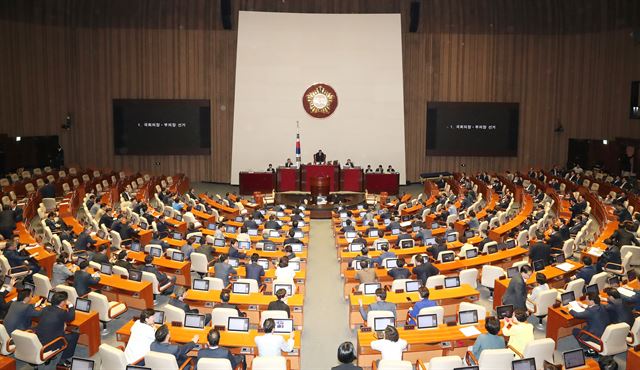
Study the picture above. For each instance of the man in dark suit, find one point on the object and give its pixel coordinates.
(587, 271)
(516, 293)
(4, 305)
(48, 191)
(250, 223)
(18, 259)
(399, 272)
(179, 351)
(7, 222)
(84, 241)
(279, 305)
(162, 278)
(17, 211)
(161, 225)
(319, 157)
(540, 250)
(83, 281)
(618, 310)
(253, 270)
(100, 256)
(214, 351)
(52, 323)
(208, 250)
(624, 235)
(21, 313)
(594, 314)
(179, 303)
(107, 218)
(272, 224)
(437, 248)
(424, 269)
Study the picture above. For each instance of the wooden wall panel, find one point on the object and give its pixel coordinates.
(568, 62)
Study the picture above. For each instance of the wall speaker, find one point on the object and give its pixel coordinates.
(414, 16)
(225, 14)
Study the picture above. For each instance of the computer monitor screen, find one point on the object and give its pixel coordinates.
(406, 243)
(415, 228)
(386, 221)
(240, 288)
(390, 263)
(350, 234)
(252, 232)
(233, 262)
(370, 288)
(435, 225)
(560, 258)
(451, 238)
(427, 321)
(269, 246)
(194, 321)
(343, 214)
(491, 249)
(524, 364)
(592, 288)
(264, 263)
(448, 257)
(567, 297)
(82, 364)
(355, 247)
(296, 247)
(471, 253)
(177, 236)
(538, 265)
(502, 247)
(411, 286)
(573, 359)
(178, 217)
(201, 284)
(155, 251)
(240, 324)
(452, 282)
(177, 256)
(83, 304)
(50, 295)
(135, 275)
(158, 317)
(632, 275)
(381, 323)
(395, 231)
(512, 271)
(380, 245)
(286, 287)
(106, 269)
(244, 245)
(614, 281)
(511, 243)
(283, 325)
(468, 317)
(504, 311)
(280, 214)
(298, 234)
(231, 229)
(135, 246)
(430, 241)
(274, 234)
(469, 234)
(239, 219)
(212, 226)
(295, 265)
(374, 233)
(218, 242)
(80, 260)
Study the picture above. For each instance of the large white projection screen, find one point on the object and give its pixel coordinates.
(281, 54)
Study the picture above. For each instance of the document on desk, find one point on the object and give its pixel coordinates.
(595, 251)
(565, 266)
(470, 331)
(626, 292)
(575, 306)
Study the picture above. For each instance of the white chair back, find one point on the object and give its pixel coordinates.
(220, 316)
(112, 357)
(269, 363)
(160, 361)
(395, 365)
(495, 359)
(214, 364)
(540, 349)
(437, 310)
(444, 363)
(470, 277)
(372, 315)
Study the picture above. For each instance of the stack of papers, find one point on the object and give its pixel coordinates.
(470, 331)
(565, 266)
(626, 292)
(575, 306)
(595, 251)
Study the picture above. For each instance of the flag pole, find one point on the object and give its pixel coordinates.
(298, 151)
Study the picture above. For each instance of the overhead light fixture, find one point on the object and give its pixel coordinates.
(605, 141)
(18, 138)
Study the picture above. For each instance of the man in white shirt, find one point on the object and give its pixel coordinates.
(391, 346)
(143, 333)
(272, 344)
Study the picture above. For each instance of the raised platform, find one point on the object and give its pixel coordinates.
(319, 211)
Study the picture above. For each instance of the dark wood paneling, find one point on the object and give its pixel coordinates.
(565, 61)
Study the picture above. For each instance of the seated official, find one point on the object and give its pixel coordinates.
(223, 269)
(424, 269)
(284, 271)
(83, 280)
(366, 274)
(516, 293)
(52, 323)
(279, 304)
(19, 258)
(60, 272)
(596, 316)
(519, 331)
(364, 256)
(587, 271)
(100, 256)
(21, 313)
(179, 303)
(254, 270)
(391, 346)
(541, 286)
(272, 223)
(84, 242)
(208, 250)
(617, 309)
(143, 333)
(162, 278)
(346, 356)
(122, 261)
(490, 340)
(179, 351)
(379, 305)
(188, 248)
(270, 344)
(225, 296)
(424, 303)
(399, 272)
(215, 351)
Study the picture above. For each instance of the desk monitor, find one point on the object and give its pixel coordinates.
(244, 245)
(632, 275)
(451, 238)
(240, 288)
(201, 284)
(238, 324)
(412, 286)
(283, 326)
(218, 242)
(391, 263)
(82, 364)
(279, 222)
(106, 269)
(448, 257)
(374, 233)
(567, 297)
(298, 234)
(233, 262)
(287, 287)
(356, 265)
(491, 249)
(177, 256)
(296, 247)
(178, 217)
(524, 364)
(135, 246)
(158, 317)
(343, 215)
(502, 247)
(167, 213)
(395, 231)
(573, 359)
(427, 321)
(194, 321)
(177, 236)
(231, 229)
(560, 258)
(360, 206)
(430, 241)
(415, 228)
(405, 223)
(80, 260)
(538, 265)
(382, 244)
(212, 226)
(295, 265)
(452, 282)
(512, 271)
(406, 243)
(280, 214)
(135, 275)
(264, 263)
(100, 234)
(471, 253)
(274, 234)
(469, 317)
(133, 367)
(155, 251)
(511, 243)
(239, 219)
(504, 311)
(469, 234)
(50, 295)
(592, 288)
(381, 323)
(435, 225)
(370, 288)
(350, 234)
(355, 247)
(269, 246)
(83, 304)
(252, 232)
(614, 281)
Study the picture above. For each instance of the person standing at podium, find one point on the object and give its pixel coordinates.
(288, 163)
(319, 157)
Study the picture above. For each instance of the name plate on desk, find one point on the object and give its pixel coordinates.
(246, 350)
(136, 295)
(177, 272)
(208, 304)
(107, 288)
(297, 309)
(253, 307)
(267, 280)
(294, 352)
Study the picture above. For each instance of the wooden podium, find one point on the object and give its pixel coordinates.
(316, 170)
(320, 186)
